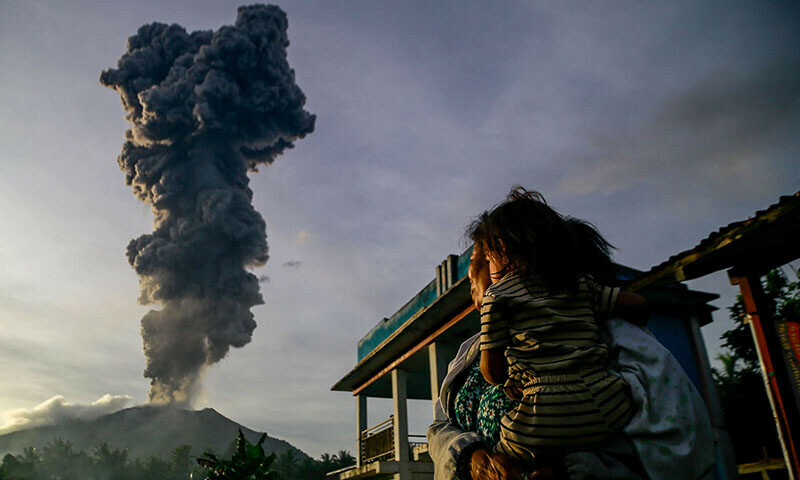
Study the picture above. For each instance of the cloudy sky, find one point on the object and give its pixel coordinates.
(658, 122)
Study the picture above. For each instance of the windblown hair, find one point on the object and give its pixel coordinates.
(526, 235)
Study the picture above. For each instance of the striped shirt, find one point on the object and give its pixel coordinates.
(545, 333)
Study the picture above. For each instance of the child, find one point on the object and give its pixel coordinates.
(539, 330)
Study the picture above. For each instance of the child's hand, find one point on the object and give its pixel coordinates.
(478, 273)
(633, 308)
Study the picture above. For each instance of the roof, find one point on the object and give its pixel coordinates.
(425, 297)
(755, 245)
(407, 336)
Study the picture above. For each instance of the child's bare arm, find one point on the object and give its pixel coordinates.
(493, 365)
(633, 308)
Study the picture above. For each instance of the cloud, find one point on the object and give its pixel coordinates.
(58, 410)
(293, 264)
(726, 132)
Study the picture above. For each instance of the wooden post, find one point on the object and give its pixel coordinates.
(399, 398)
(361, 425)
(768, 350)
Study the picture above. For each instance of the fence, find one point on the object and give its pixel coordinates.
(377, 442)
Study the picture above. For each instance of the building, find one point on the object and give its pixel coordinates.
(406, 355)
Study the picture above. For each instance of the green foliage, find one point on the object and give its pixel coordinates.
(58, 460)
(290, 467)
(249, 462)
(782, 300)
(112, 462)
(745, 406)
(17, 468)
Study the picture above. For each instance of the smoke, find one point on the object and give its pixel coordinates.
(58, 410)
(206, 108)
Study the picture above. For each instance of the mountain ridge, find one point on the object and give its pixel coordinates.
(145, 431)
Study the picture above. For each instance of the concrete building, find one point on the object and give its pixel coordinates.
(406, 355)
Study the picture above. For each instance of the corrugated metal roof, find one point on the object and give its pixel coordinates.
(752, 230)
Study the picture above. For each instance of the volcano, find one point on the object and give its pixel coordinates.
(145, 431)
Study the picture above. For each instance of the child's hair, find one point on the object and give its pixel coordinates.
(527, 235)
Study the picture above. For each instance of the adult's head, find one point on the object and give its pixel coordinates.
(478, 273)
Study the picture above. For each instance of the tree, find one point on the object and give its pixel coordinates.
(745, 405)
(60, 462)
(154, 468)
(180, 462)
(249, 462)
(287, 464)
(17, 468)
(344, 459)
(110, 463)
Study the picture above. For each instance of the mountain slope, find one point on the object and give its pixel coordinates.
(144, 431)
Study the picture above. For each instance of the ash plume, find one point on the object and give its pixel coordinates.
(206, 108)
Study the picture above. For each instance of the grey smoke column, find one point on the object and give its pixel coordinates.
(206, 108)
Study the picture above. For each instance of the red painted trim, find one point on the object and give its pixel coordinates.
(746, 289)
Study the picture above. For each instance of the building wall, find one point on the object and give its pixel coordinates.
(674, 333)
(387, 326)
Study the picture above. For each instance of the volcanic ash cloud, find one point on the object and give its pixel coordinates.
(206, 108)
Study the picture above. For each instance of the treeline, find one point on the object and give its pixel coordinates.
(58, 460)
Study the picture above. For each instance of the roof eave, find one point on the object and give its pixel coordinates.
(421, 323)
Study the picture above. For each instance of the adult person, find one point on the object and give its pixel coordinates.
(669, 436)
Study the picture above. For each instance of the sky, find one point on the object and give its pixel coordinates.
(657, 122)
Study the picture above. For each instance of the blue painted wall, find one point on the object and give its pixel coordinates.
(674, 333)
(387, 326)
(463, 263)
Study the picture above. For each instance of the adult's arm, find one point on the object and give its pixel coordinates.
(459, 455)
(450, 448)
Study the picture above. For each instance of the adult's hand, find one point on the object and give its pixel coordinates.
(486, 465)
(478, 273)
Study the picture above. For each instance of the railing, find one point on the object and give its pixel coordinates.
(412, 443)
(377, 442)
(762, 466)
